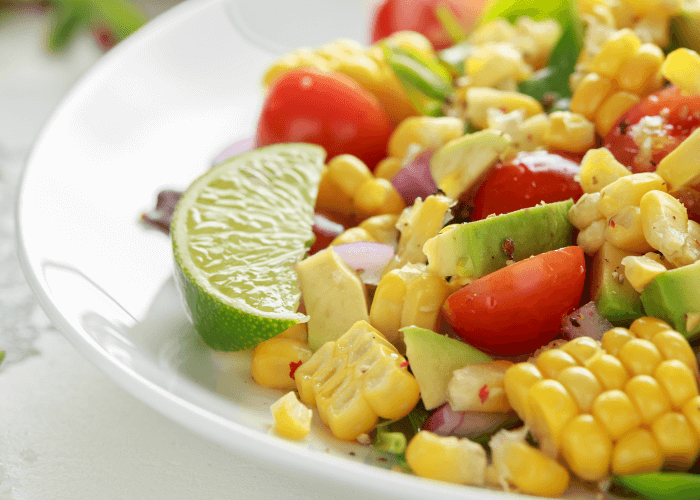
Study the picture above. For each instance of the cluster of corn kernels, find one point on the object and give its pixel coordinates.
(628, 406)
(349, 191)
(355, 380)
(635, 213)
(366, 65)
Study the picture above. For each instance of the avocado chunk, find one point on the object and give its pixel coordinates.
(674, 297)
(478, 248)
(461, 162)
(614, 296)
(334, 296)
(433, 357)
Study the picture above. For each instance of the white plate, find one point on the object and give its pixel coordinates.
(151, 115)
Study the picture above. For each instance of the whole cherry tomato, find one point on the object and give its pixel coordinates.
(518, 308)
(526, 180)
(419, 15)
(670, 117)
(328, 109)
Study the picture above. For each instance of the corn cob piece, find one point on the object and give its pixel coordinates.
(630, 409)
(355, 380)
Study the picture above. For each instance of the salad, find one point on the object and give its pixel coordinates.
(502, 288)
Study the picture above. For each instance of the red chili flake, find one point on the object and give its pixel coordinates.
(381, 459)
(404, 364)
(484, 393)
(612, 223)
(293, 368)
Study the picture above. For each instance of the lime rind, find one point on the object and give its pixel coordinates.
(237, 233)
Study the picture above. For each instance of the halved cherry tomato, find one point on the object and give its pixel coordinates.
(328, 109)
(677, 115)
(519, 308)
(419, 15)
(526, 180)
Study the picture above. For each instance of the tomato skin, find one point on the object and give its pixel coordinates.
(419, 15)
(519, 308)
(526, 180)
(328, 109)
(683, 117)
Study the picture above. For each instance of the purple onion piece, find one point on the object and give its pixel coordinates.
(234, 149)
(160, 217)
(368, 258)
(470, 424)
(414, 180)
(585, 321)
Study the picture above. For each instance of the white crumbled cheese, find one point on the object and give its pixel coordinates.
(650, 134)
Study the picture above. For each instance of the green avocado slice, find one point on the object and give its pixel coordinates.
(478, 248)
(615, 298)
(433, 357)
(674, 297)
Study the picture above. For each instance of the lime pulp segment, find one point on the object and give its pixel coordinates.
(237, 233)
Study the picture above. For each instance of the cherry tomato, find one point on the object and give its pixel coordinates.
(328, 109)
(526, 180)
(519, 308)
(419, 15)
(676, 114)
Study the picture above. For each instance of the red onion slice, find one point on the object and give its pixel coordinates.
(414, 180)
(325, 231)
(368, 258)
(234, 149)
(470, 424)
(585, 321)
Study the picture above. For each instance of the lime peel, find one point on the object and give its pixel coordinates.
(237, 233)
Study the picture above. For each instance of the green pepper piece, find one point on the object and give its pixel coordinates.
(661, 485)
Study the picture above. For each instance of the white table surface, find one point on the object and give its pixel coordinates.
(66, 430)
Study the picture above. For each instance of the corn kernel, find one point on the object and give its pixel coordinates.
(517, 381)
(678, 380)
(682, 68)
(550, 408)
(616, 413)
(677, 440)
(635, 74)
(570, 132)
(586, 448)
(424, 298)
(489, 64)
(646, 327)
(592, 237)
(648, 397)
(590, 93)
(331, 198)
(640, 357)
(427, 132)
(612, 109)
(609, 371)
(617, 50)
(553, 361)
(388, 303)
(691, 410)
(585, 211)
(636, 452)
(298, 332)
(388, 168)
(673, 345)
(377, 196)
(532, 471)
(292, 419)
(640, 270)
(411, 40)
(352, 235)
(625, 230)
(599, 168)
(271, 361)
(581, 348)
(665, 223)
(581, 384)
(348, 173)
(450, 459)
(382, 228)
(615, 338)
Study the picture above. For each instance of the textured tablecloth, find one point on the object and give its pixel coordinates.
(67, 432)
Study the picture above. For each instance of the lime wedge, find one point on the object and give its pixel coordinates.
(237, 233)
